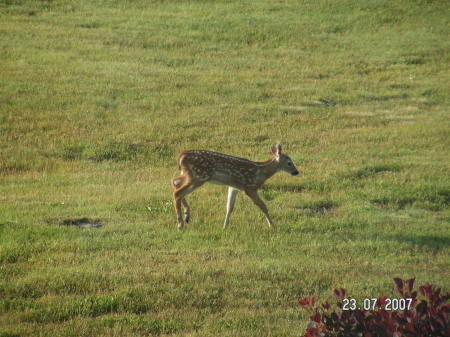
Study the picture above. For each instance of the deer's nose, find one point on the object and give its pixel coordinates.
(294, 173)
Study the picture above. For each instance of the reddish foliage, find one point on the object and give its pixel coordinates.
(427, 317)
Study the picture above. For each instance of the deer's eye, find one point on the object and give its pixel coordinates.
(289, 164)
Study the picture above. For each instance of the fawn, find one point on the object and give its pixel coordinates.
(199, 166)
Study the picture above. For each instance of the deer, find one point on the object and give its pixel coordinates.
(200, 166)
(239, 174)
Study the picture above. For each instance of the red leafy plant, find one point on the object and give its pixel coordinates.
(426, 317)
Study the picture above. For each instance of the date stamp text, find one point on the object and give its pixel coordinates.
(373, 303)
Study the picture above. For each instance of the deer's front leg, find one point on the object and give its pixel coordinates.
(232, 193)
(262, 206)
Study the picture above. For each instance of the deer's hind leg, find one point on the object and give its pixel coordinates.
(187, 210)
(183, 189)
(177, 183)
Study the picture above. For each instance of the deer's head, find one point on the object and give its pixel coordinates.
(284, 161)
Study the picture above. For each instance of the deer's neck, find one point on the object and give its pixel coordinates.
(266, 170)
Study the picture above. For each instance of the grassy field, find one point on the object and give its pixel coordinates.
(97, 98)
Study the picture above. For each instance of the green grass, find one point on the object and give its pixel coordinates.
(97, 98)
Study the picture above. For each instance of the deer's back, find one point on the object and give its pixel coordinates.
(218, 168)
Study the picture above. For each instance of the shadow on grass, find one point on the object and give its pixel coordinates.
(426, 197)
(269, 192)
(136, 150)
(286, 188)
(82, 223)
(429, 241)
(318, 207)
(373, 170)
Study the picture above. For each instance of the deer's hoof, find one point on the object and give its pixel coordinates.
(180, 223)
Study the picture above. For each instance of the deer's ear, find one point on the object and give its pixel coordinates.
(278, 149)
(274, 150)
